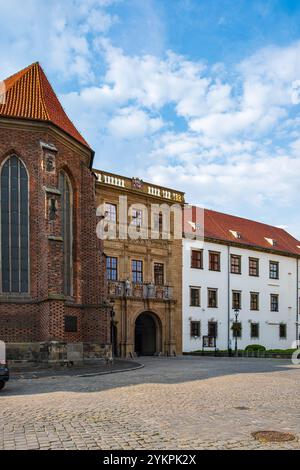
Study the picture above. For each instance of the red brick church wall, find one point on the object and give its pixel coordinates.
(39, 316)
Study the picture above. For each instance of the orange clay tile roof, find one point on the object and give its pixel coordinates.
(29, 95)
(219, 226)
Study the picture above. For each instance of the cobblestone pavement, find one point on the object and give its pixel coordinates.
(91, 368)
(172, 403)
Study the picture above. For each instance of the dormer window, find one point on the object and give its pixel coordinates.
(271, 241)
(236, 234)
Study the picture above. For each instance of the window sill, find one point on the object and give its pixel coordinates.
(18, 299)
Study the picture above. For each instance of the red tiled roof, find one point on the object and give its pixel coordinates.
(29, 95)
(218, 226)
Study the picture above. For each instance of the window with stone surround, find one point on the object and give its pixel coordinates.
(137, 271)
(159, 274)
(14, 227)
(112, 268)
(65, 188)
(111, 212)
(137, 217)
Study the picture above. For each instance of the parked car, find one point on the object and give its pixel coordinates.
(4, 375)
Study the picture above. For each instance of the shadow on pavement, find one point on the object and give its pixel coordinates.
(157, 370)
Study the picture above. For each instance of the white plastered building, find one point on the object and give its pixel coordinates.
(239, 266)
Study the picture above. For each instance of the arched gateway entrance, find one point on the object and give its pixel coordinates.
(147, 334)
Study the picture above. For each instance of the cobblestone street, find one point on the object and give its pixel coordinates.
(172, 403)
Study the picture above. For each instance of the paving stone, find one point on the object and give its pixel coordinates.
(173, 403)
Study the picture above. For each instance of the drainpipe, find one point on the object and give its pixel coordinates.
(228, 297)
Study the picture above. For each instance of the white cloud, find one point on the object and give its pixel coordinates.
(57, 33)
(229, 155)
(229, 137)
(131, 123)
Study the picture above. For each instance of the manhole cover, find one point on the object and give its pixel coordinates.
(273, 436)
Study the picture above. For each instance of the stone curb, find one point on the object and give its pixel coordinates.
(92, 374)
(139, 366)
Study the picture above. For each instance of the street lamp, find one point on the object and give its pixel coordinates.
(112, 324)
(236, 314)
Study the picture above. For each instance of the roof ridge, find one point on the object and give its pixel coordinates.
(247, 219)
(29, 95)
(41, 90)
(12, 79)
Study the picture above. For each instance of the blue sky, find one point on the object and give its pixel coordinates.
(200, 95)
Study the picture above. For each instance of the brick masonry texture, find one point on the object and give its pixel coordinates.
(39, 316)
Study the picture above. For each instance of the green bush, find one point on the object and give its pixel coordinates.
(255, 348)
(281, 351)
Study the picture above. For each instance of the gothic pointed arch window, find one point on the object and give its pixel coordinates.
(65, 188)
(14, 227)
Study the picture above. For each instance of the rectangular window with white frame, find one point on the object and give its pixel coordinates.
(254, 330)
(282, 331)
(197, 259)
(195, 296)
(195, 329)
(236, 300)
(274, 301)
(254, 301)
(274, 270)
(254, 267)
(212, 329)
(214, 261)
(212, 298)
(235, 264)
